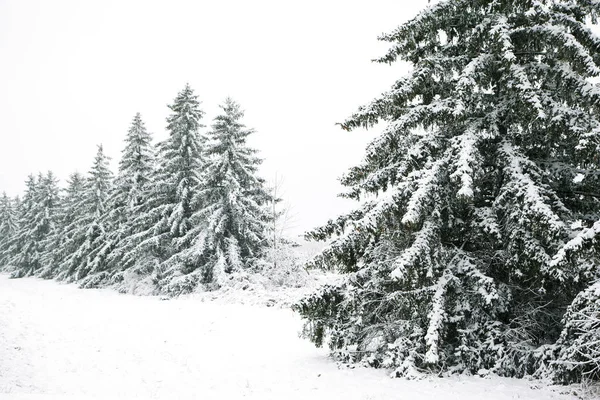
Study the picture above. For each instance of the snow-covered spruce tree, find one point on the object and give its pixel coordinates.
(48, 202)
(135, 171)
(8, 226)
(17, 255)
(166, 215)
(230, 227)
(68, 235)
(36, 224)
(485, 169)
(125, 203)
(89, 231)
(13, 245)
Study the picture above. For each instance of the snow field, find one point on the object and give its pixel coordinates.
(61, 342)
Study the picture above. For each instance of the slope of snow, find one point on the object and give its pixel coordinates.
(60, 342)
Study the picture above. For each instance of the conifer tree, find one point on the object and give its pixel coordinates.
(97, 190)
(8, 226)
(48, 205)
(67, 237)
(181, 161)
(167, 212)
(126, 200)
(12, 245)
(90, 227)
(18, 253)
(36, 224)
(135, 170)
(486, 167)
(230, 227)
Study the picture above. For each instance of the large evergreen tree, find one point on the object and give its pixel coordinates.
(48, 204)
(19, 250)
(67, 237)
(168, 209)
(230, 227)
(88, 233)
(135, 171)
(181, 162)
(486, 167)
(36, 223)
(125, 203)
(97, 190)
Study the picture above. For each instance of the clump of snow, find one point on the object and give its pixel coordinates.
(436, 318)
(465, 147)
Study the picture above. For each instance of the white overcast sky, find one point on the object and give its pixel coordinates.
(73, 73)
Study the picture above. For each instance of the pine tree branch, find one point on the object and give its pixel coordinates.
(581, 192)
(530, 53)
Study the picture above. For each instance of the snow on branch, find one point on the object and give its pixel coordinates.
(427, 184)
(340, 224)
(421, 114)
(392, 101)
(487, 221)
(410, 35)
(486, 287)
(437, 317)
(419, 250)
(354, 233)
(568, 42)
(467, 79)
(500, 30)
(521, 185)
(586, 88)
(464, 146)
(577, 243)
(590, 137)
(582, 32)
(400, 153)
(522, 83)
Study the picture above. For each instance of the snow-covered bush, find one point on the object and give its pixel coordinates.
(140, 279)
(283, 266)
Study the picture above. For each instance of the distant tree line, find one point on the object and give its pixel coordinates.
(190, 211)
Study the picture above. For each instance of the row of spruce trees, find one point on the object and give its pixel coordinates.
(190, 211)
(475, 245)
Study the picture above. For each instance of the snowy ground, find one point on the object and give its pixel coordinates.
(57, 341)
